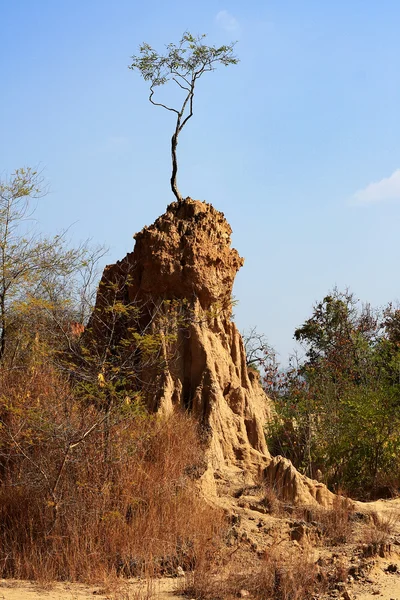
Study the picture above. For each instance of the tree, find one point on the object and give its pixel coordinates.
(36, 272)
(183, 64)
(330, 330)
(338, 408)
(256, 348)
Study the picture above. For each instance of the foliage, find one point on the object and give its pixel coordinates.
(126, 347)
(338, 409)
(184, 64)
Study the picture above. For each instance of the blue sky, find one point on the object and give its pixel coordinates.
(299, 145)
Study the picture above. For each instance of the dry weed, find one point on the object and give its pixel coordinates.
(335, 524)
(120, 589)
(270, 500)
(386, 524)
(280, 575)
(265, 494)
(377, 533)
(125, 501)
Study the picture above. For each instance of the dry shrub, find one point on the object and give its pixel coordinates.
(281, 575)
(378, 532)
(335, 524)
(284, 576)
(270, 500)
(386, 524)
(265, 495)
(122, 501)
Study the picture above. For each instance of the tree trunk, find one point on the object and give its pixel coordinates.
(174, 186)
(3, 328)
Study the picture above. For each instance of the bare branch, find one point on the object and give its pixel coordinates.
(160, 104)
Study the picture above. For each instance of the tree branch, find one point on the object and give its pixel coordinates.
(160, 104)
(180, 85)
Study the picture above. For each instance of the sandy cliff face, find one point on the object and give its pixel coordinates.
(185, 259)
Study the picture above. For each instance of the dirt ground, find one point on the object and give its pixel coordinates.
(384, 578)
(382, 584)
(162, 589)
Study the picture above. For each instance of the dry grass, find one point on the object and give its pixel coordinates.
(386, 524)
(116, 588)
(123, 502)
(335, 524)
(376, 535)
(265, 495)
(270, 500)
(280, 575)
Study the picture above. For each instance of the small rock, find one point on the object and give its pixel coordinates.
(180, 572)
(354, 572)
(244, 593)
(235, 519)
(346, 595)
(299, 533)
(384, 549)
(392, 568)
(340, 585)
